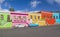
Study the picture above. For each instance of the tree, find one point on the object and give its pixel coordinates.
(11, 9)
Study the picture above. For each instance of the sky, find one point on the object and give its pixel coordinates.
(31, 5)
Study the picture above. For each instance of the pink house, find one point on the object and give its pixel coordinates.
(19, 19)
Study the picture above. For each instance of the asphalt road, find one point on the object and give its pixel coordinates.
(50, 31)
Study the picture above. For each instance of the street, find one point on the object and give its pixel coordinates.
(47, 31)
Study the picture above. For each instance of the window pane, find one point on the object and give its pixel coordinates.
(38, 17)
(14, 17)
(8, 18)
(56, 17)
(35, 17)
(19, 17)
(59, 16)
(24, 18)
(2, 17)
(31, 16)
(51, 17)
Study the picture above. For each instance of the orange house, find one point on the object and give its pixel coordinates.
(46, 14)
(48, 17)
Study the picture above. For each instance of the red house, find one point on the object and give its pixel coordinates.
(48, 17)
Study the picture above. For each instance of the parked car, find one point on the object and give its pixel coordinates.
(33, 25)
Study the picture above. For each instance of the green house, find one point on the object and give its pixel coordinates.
(5, 20)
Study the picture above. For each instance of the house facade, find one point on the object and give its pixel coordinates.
(5, 20)
(56, 16)
(19, 19)
(48, 17)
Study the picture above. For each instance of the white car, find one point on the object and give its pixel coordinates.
(19, 25)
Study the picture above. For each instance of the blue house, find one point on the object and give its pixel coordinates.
(56, 15)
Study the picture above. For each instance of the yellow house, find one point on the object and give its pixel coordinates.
(36, 18)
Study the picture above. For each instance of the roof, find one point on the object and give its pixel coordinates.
(19, 13)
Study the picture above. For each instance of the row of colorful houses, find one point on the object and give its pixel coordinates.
(42, 18)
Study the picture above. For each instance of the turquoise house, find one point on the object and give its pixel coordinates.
(56, 15)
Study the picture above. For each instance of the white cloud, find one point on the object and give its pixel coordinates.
(1, 1)
(7, 5)
(34, 11)
(57, 1)
(19, 11)
(35, 3)
(52, 1)
(24, 10)
(4, 10)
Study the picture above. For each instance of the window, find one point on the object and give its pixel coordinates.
(19, 17)
(14, 17)
(24, 18)
(31, 16)
(44, 16)
(59, 16)
(35, 17)
(2, 17)
(50, 16)
(38, 17)
(8, 18)
(56, 17)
